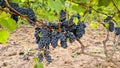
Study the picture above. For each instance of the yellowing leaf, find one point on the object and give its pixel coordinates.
(75, 20)
(4, 36)
(40, 34)
(23, 0)
(94, 24)
(37, 64)
(4, 15)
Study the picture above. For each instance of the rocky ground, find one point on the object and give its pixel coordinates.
(13, 54)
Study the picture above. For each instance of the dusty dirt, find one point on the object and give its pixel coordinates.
(12, 54)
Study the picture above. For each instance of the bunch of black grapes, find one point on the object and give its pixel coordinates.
(2, 3)
(25, 11)
(49, 34)
(111, 26)
(107, 20)
(117, 30)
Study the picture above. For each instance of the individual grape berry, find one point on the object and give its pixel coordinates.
(40, 56)
(117, 30)
(64, 29)
(15, 17)
(62, 15)
(78, 16)
(63, 44)
(71, 36)
(62, 37)
(107, 19)
(37, 40)
(111, 26)
(2, 3)
(64, 23)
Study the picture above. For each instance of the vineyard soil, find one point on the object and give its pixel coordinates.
(12, 54)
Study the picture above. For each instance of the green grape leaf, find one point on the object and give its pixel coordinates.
(4, 35)
(15, 1)
(8, 23)
(40, 34)
(35, 59)
(4, 15)
(55, 5)
(37, 64)
(75, 20)
(68, 39)
(94, 24)
(40, 65)
(104, 2)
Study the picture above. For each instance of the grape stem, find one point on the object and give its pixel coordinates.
(104, 44)
(116, 42)
(89, 5)
(82, 46)
(115, 5)
(94, 9)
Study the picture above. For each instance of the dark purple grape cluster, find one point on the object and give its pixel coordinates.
(49, 33)
(111, 26)
(15, 17)
(107, 18)
(25, 11)
(62, 15)
(2, 3)
(117, 30)
(46, 55)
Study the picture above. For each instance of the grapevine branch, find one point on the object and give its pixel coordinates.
(82, 46)
(86, 6)
(105, 48)
(95, 10)
(7, 11)
(89, 5)
(104, 44)
(116, 41)
(115, 5)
